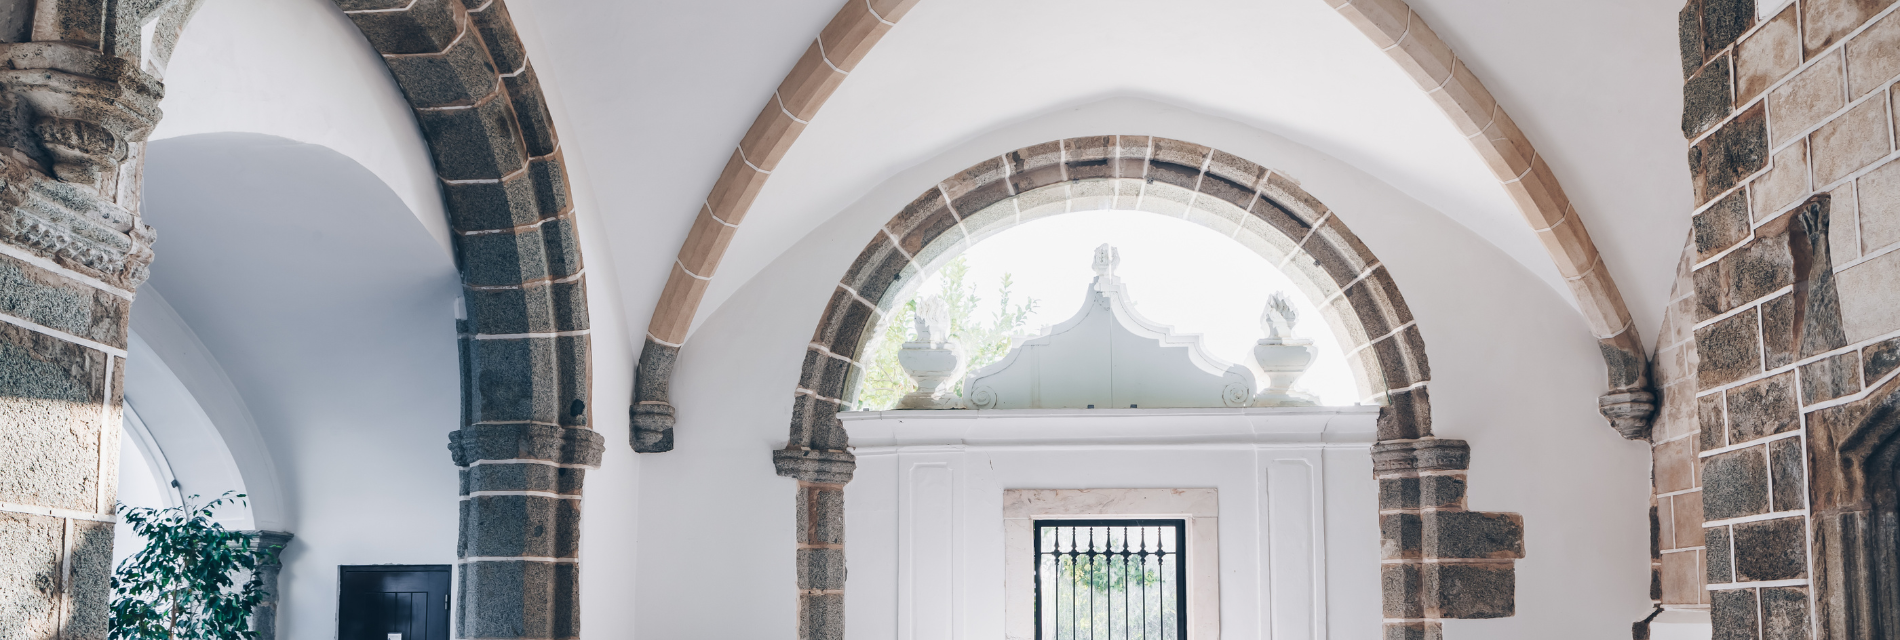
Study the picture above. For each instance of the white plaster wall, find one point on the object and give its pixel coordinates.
(611, 512)
(299, 69)
(1596, 85)
(926, 583)
(197, 416)
(330, 309)
(1515, 373)
(144, 481)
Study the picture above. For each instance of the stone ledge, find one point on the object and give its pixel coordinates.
(809, 465)
(561, 445)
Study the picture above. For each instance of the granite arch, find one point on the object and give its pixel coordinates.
(90, 75)
(1390, 25)
(526, 352)
(1431, 541)
(523, 333)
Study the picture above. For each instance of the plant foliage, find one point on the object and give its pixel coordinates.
(982, 342)
(183, 584)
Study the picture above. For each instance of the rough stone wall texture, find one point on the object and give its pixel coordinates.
(1790, 121)
(525, 346)
(79, 92)
(1676, 438)
(77, 99)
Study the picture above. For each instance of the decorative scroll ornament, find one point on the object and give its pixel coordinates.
(933, 360)
(1108, 356)
(71, 119)
(1283, 357)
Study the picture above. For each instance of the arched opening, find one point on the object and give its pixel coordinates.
(1261, 209)
(297, 343)
(1024, 280)
(1421, 495)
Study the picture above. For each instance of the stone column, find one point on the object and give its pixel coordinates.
(819, 522)
(79, 92)
(1439, 560)
(520, 542)
(264, 617)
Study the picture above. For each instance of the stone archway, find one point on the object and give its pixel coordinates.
(82, 76)
(1391, 25)
(1440, 560)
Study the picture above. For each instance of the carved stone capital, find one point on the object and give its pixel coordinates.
(81, 151)
(83, 108)
(577, 446)
(72, 225)
(1629, 412)
(813, 465)
(264, 540)
(70, 117)
(1425, 454)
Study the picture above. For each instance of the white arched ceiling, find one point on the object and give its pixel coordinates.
(685, 88)
(332, 311)
(1596, 87)
(299, 69)
(1518, 385)
(197, 417)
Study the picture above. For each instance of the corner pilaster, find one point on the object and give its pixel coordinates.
(1439, 560)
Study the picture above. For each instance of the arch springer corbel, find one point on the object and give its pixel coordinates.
(652, 413)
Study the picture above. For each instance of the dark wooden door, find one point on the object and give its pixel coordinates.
(394, 602)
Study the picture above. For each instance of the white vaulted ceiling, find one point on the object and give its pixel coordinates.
(652, 96)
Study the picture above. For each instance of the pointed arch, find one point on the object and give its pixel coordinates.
(1389, 24)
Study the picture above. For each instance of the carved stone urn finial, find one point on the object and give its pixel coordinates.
(1106, 259)
(1281, 356)
(933, 360)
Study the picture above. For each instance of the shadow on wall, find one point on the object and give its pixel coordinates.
(329, 311)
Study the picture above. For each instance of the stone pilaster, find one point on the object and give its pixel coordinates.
(1439, 560)
(264, 617)
(520, 533)
(79, 94)
(819, 523)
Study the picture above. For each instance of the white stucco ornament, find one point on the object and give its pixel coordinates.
(932, 360)
(1283, 357)
(1107, 356)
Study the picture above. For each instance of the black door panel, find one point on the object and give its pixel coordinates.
(394, 602)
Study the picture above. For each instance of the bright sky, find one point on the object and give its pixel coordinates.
(1179, 273)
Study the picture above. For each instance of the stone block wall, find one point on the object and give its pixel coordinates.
(77, 102)
(1676, 439)
(1794, 313)
(72, 252)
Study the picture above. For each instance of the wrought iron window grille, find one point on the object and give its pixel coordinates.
(1111, 579)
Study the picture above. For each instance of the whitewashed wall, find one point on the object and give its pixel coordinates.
(1514, 371)
(365, 472)
(1297, 526)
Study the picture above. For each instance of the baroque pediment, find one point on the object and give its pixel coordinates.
(1108, 356)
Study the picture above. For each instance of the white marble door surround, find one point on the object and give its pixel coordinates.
(1284, 497)
(1199, 507)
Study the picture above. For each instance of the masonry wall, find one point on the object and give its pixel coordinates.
(62, 364)
(1795, 307)
(1676, 433)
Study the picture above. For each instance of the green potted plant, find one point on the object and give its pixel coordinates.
(183, 584)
